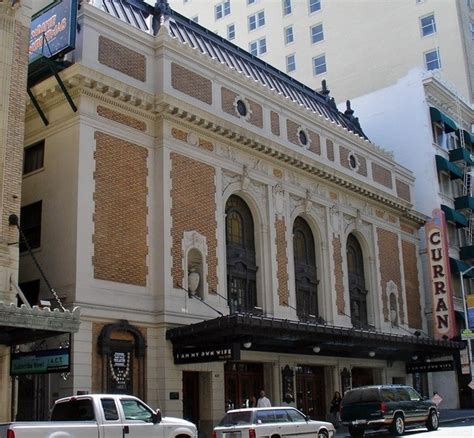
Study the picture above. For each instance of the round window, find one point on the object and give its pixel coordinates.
(241, 108)
(352, 161)
(303, 137)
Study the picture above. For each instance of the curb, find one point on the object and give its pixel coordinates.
(452, 420)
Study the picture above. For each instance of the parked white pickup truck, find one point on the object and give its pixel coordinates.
(101, 416)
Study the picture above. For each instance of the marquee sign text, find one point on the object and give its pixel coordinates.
(206, 354)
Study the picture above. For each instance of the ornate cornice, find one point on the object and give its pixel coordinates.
(82, 81)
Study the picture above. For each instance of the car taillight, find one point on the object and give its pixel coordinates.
(10, 433)
(252, 433)
(214, 434)
(383, 407)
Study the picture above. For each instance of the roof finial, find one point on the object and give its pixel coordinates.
(349, 112)
(325, 91)
(161, 8)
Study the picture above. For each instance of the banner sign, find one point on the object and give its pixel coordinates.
(53, 30)
(467, 334)
(41, 362)
(206, 354)
(441, 288)
(430, 367)
(470, 310)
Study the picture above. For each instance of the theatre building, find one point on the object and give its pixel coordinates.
(223, 227)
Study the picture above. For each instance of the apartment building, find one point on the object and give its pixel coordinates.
(222, 226)
(358, 47)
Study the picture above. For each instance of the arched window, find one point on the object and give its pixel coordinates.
(306, 280)
(241, 266)
(357, 289)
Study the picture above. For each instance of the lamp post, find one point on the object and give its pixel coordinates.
(466, 319)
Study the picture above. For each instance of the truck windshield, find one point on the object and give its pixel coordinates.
(73, 410)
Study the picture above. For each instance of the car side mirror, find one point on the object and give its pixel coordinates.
(307, 418)
(425, 398)
(157, 417)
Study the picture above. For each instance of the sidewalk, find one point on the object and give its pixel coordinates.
(445, 416)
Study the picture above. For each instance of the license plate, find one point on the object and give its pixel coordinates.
(232, 435)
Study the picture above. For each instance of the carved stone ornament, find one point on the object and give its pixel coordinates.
(245, 180)
(336, 221)
(193, 139)
(279, 198)
(308, 204)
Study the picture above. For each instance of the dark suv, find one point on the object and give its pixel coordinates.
(386, 406)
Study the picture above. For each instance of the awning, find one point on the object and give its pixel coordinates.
(297, 337)
(458, 266)
(20, 325)
(468, 137)
(461, 154)
(438, 117)
(442, 164)
(464, 203)
(454, 216)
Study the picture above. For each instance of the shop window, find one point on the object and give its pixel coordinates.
(452, 141)
(432, 60)
(444, 183)
(30, 223)
(438, 134)
(306, 281)
(33, 157)
(357, 287)
(241, 260)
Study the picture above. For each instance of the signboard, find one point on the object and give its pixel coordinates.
(206, 354)
(470, 310)
(436, 399)
(441, 288)
(430, 367)
(41, 362)
(53, 30)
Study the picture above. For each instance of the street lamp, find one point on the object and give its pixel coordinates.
(466, 318)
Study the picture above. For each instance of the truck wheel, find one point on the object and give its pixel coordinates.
(432, 422)
(356, 432)
(398, 426)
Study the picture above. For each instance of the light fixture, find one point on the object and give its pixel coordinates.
(414, 357)
(371, 353)
(247, 344)
(316, 348)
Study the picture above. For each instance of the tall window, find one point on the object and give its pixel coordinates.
(289, 35)
(30, 223)
(317, 33)
(231, 31)
(290, 63)
(286, 7)
(314, 6)
(357, 289)
(432, 60)
(306, 280)
(33, 157)
(256, 20)
(222, 9)
(258, 47)
(428, 25)
(241, 264)
(319, 65)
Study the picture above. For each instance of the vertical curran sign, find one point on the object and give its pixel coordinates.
(53, 30)
(440, 276)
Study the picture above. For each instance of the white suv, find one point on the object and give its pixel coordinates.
(271, 422)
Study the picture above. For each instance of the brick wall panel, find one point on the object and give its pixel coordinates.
(121, 118)
(315, 143)
(403, 190)
(382, 175)
(120, 230)
(191, 83)
(193, 192)
(282, 261)
(338, 275)
(292, 131)
(227, 99)
(122, 59)
(389, 257)
(344, 157)
(412, 285)
(256, 115)
(275, 123)
(330, 149)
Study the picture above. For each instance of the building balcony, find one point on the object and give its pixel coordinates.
(454, 216)
(464, 203)
(461, 154)
(467, 253)
(443, 165)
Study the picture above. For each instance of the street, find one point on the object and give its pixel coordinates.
(458, 429)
